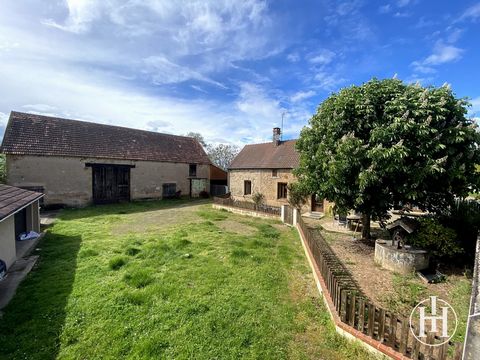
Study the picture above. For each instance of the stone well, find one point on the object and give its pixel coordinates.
(403, 261)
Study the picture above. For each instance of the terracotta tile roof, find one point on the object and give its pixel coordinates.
(267, 156)
(13, 199)
(29, 134)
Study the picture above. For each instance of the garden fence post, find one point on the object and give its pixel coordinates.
(295, 216)
(283, 212)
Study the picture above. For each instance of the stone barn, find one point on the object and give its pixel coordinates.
(76, 163)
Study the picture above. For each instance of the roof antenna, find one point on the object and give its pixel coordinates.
(281, 131)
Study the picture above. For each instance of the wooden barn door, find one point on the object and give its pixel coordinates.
(111, 183)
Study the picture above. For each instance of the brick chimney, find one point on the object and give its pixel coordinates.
(276, 136)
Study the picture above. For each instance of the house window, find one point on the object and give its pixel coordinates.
(247, 187)
(274, 173)
(169, 190)
(281, 190)
(192, 170)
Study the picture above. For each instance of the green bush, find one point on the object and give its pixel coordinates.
(297, 196)
(258, 198)
(464, 217)
(441, 241)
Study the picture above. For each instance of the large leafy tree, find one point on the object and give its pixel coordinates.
(373, 146)
(220, 155)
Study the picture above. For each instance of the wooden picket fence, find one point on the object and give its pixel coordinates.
(288, 219)
(357, 311)
(247, 205)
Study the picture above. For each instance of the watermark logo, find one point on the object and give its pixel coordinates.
(433, 315)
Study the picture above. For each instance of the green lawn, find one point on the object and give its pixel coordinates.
(171, 279)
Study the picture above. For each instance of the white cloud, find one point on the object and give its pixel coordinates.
(328, 81)
(474, 111)
(293, 57)
(81, 13)
(42, 108)
(96, 61)
(203, 36)
(472, 13)
(254, 101)
(443, 53)
(384, 9)
(403, 3)
(302, 95)
(321, 57)
(424, 80)
(454, 35)
(163, 71)
(420, 67)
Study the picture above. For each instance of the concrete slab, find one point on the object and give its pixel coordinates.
(15, 275)
(24, 248)
(48, 217)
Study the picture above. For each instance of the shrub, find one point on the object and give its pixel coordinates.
(258, 198)
(464, 217)
(297, 196)
(441, 241)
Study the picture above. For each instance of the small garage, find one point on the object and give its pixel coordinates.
(19, 214)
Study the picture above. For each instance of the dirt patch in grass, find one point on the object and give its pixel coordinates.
(396, 292)
(154, 220)
(236, 227)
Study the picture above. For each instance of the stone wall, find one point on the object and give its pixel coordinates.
(403, 261)
(67, 180)
(263, 182)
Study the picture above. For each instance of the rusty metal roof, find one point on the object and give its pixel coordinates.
(13, 199)
(30, 134)
(217, 174)
(267, 156)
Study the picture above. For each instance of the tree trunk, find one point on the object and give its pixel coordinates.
(366, 226)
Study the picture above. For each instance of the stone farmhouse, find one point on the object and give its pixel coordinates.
(76, 163)
(267, 168)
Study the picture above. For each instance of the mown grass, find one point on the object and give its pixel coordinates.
(185, 290)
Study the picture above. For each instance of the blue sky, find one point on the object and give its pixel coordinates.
(225, 68)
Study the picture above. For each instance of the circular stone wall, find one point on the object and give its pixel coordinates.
(403, 261)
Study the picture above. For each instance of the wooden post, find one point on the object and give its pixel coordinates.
(343, 305)
(443, 351)
(371, 320)
(361, 315)
(381, 325)
(351, 315)
(403, 337)
(429, 349)
(392, 334)
(415, 349)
